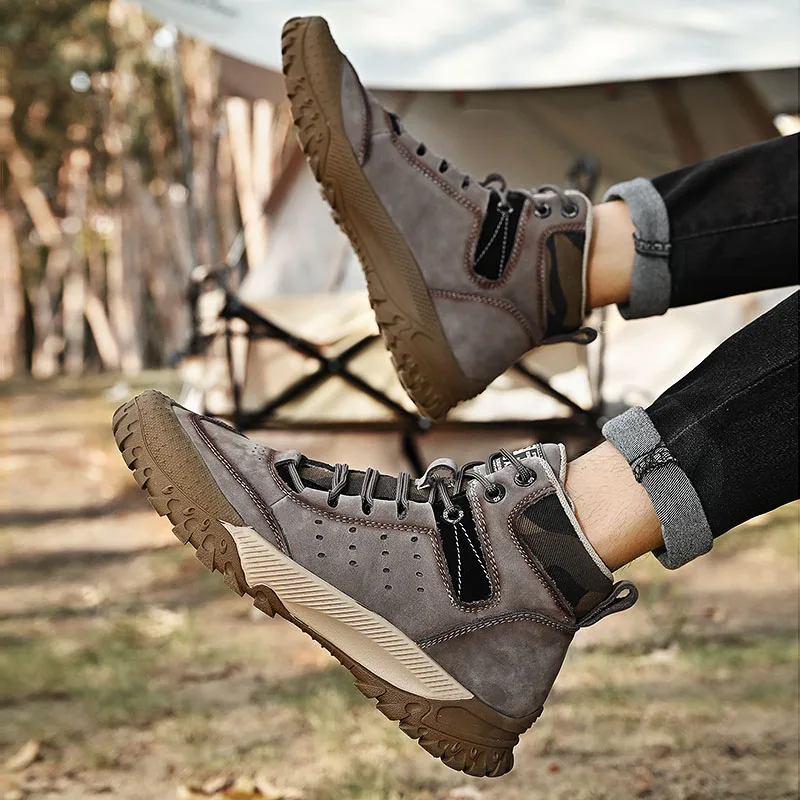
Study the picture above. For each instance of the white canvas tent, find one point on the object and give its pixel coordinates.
(642, 90)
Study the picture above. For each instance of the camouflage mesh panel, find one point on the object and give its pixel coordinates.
(547, 533)
(564, 263)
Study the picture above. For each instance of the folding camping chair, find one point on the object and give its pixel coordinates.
(240, 326)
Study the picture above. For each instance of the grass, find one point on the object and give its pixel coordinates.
(138, 670)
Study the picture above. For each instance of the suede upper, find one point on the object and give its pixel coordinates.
(489, 324)
(397, 569)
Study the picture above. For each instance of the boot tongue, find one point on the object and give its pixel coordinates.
(552, 453)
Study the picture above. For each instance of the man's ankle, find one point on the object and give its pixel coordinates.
(611, 255)
(614, 510)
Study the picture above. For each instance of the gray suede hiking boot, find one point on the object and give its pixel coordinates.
(464, 276)
(451, 599)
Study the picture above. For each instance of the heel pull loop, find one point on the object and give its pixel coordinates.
(623, 595)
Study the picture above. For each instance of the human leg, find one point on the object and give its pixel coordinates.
(717, 448)
(452, 600)
(465, 276)
(722, 227)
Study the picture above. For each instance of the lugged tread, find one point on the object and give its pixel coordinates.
(429, 375)
(418, 717)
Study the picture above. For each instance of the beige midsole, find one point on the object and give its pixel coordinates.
(363, 635)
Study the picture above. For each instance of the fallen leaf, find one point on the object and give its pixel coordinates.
(269, 791)
(23, 758)
(190, 793)
(218, 783)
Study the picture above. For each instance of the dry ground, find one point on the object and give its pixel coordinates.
(138, 673)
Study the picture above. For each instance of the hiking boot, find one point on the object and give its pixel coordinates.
(464, 276)
(452, 599)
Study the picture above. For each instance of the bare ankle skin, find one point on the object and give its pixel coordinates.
(614, 510)
(611, 255)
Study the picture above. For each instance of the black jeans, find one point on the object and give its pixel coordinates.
(732, 423)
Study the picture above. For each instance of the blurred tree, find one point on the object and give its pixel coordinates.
(87, 79)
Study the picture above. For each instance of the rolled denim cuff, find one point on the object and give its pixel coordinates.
(684, 526)
(651, 281)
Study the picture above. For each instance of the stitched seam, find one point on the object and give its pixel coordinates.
(518, 616)
(519, 239)
(531, 562)
(340, 517)
(505, 305)
(486, 545)
(741, 391)
(490, 242)
(459, 198)
(365, 123)
(266, 512)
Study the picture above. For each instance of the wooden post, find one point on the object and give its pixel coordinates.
(11, 300)
(74, 296)
(255, 232)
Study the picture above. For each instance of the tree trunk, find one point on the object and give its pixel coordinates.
(11, 300)
(74, 297)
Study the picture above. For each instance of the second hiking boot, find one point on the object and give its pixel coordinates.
(452, 599)
(464, 276)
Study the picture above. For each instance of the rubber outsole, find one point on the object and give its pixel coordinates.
(467, 735)
(404, 310)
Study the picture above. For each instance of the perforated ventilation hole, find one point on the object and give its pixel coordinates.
(319, 537)
(384, 552)
(418, 574)
(386, 569)
(388, 586)
(352, 530)
(417, 555)
(384, 537)
(353, 564)
(352, 547)
(318, 522)
(320, 555)
(415, 538)
(420, 589)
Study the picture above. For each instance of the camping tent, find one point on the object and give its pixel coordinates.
(524, 89)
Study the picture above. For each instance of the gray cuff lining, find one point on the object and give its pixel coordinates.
(684, 525)
(651, 282)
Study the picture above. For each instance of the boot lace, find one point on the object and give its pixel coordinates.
(496, 182)
(442, 480)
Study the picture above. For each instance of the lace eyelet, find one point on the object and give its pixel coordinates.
(495, 496)
(542, 212)
(421, 150)
(453, 517)
(333, 503)
(505, 208)
(366, 509)
(570, 212)
(529, 481)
